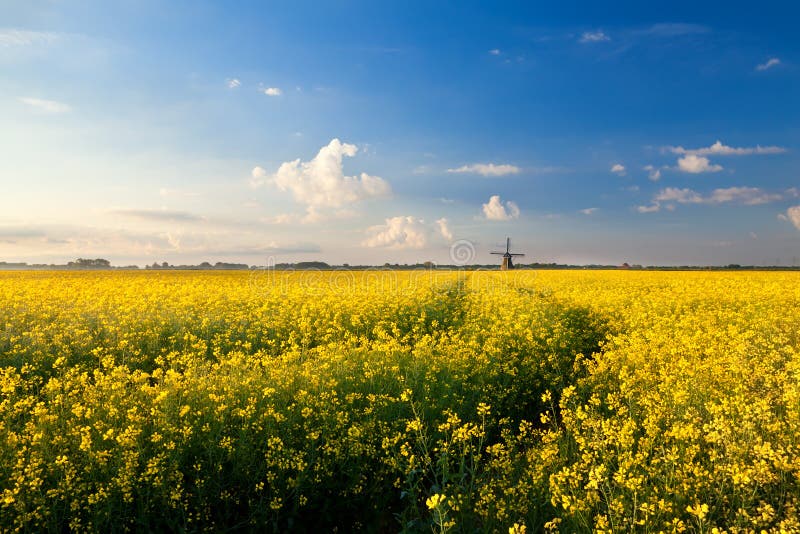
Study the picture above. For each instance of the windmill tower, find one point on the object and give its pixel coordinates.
(507, 255)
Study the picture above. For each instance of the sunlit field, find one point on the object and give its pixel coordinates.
(400, 401)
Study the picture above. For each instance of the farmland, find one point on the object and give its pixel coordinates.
(400, 401)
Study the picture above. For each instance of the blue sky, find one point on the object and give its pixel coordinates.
(372, 132)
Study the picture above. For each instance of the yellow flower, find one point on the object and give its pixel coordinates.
(435, 501)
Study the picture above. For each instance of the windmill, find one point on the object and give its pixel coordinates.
(507, 255)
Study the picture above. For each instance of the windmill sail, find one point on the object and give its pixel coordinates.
(507, 256)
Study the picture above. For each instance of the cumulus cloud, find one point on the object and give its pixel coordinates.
(444, 229)
(45, 106)
(697, 164)
(618, 169)
(398, 232)
(486, 169)
(682, 196)
(793, 215)
(589, 211)
(694, 160)
(259, 176)
(495, 51)
(594, 37)
(771, 62)
(233, 83)
(321, 183)
(653, 173)
(720, 149)
(272, 91)
(494, 210)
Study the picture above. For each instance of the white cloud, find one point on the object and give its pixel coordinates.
(487, 169)
(14, 37)
(407, 232)
(321, 183)
(272, 91)
(771, 62)
(45, 106)
(652, 208)
(594, 37)
(589, 211)
(719, 149)
(495, 51)
(258, 176)
(653, 173)
(618, 169)
(697, 164)
(444, 229)
(793, 215)
(748, 196)
(682, 196)
(233, 83)
(494, 210)
(398, 232)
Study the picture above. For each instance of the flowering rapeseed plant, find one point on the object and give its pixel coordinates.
(519, 401)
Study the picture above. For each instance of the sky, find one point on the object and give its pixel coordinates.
(363, 132)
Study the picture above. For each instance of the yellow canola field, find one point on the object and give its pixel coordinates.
(570, 401)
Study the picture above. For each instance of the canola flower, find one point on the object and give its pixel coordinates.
(521, 401)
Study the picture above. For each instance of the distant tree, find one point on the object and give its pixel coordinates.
(85, 263)
(312, 265)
